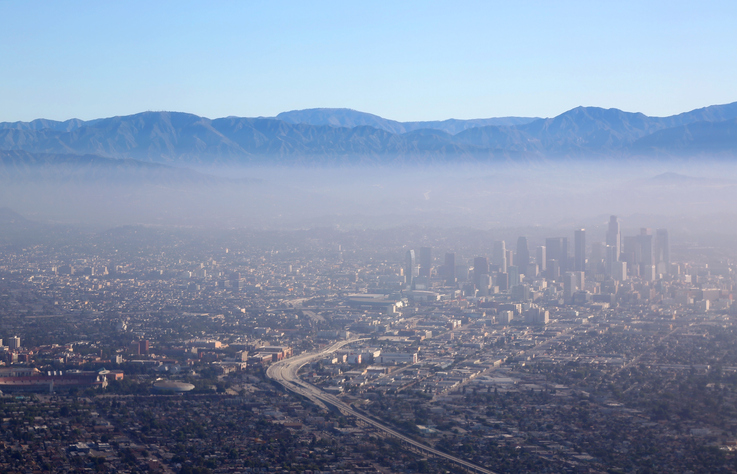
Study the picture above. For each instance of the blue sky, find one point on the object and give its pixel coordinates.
(413, 60)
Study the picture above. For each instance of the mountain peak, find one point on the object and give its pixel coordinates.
(344, 135)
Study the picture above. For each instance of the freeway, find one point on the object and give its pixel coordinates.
(285, 373)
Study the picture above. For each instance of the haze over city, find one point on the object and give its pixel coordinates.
(395, 237)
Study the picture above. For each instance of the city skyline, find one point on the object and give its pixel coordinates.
(386, 237)
(221, 327)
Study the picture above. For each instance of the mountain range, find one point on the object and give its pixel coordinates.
(345, 136)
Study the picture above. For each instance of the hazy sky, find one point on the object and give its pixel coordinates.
(412, 60)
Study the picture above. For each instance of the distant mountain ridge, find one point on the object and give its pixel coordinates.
(350, 118)
(41, 124)
(345, 136)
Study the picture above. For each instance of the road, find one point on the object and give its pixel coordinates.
(285, 373)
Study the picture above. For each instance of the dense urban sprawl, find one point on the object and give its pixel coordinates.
(146, 350)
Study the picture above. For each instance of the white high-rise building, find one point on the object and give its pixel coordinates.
(499, 256)
(541, 259)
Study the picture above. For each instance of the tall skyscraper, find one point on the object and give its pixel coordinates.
(611, 260)
(409, 268)
(662, 251)
(502, 280)
(499, 256)
(614, 237)
(647, 250)
(425, 261)
(557, 250)
(480, 267)
(631, 253)
(523, 253)
(639, 252)
(449, 269)
(579, 250)
(553, 268)
(514, 275)
(541, 258)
